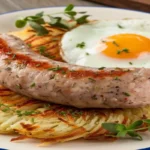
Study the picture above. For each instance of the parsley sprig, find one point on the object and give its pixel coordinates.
(121, 130)
(38, 20)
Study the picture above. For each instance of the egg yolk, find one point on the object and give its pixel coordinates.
(126, 46)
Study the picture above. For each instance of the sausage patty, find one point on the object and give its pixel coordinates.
(33, 75)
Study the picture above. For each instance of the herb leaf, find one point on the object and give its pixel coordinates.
(147, 121)
(38, 28)
(18, 86)
(120, 26)
(32, 85)
(81, 45)
(101, 68)
(71, 13)
(135, 124)
(120, 127)
(82, 19)
(126, 94)
(57, 22)
(42, 50)
(120, 130)
(115, 43)
(33, 120)
(55, 68)
(123, 50)
(40, 14)
(69, 7)
(122, 133)
(20, 23)
(134, 135)
(37, 20)
(111, 127)
(92, 80)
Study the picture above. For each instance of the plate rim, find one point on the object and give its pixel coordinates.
(77, 6)
(28, 9)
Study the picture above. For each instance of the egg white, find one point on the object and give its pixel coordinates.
(92, 33)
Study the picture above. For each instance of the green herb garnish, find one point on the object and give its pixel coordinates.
(81, 45)
(119, 26)
(119, 51)
(82, 19)
(26, 113)
(35, 22)
(20, 113)
(29, 45)
(4, 108)
(91, 79)
(20, 23)
(33, 120)
(125, 50)
(130, 63)
(120, 130)
(38, 20)
(19, 86)
(116, 78)
(69, 8)
(32, 85)
(101, 68)
(63, 113)
(75, 113)
(69, 11)
(55, 68)
(126, 94)
(63, 72)
(42, 50)
(38, 28)
(115, 43)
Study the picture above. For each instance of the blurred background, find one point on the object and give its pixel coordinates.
(12, 5)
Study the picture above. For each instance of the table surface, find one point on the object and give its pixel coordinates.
(12, 5)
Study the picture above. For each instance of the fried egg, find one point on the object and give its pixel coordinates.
(115, 43)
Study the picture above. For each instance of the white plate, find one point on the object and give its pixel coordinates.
(7, 24)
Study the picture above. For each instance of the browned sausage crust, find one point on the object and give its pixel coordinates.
(30, 74)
